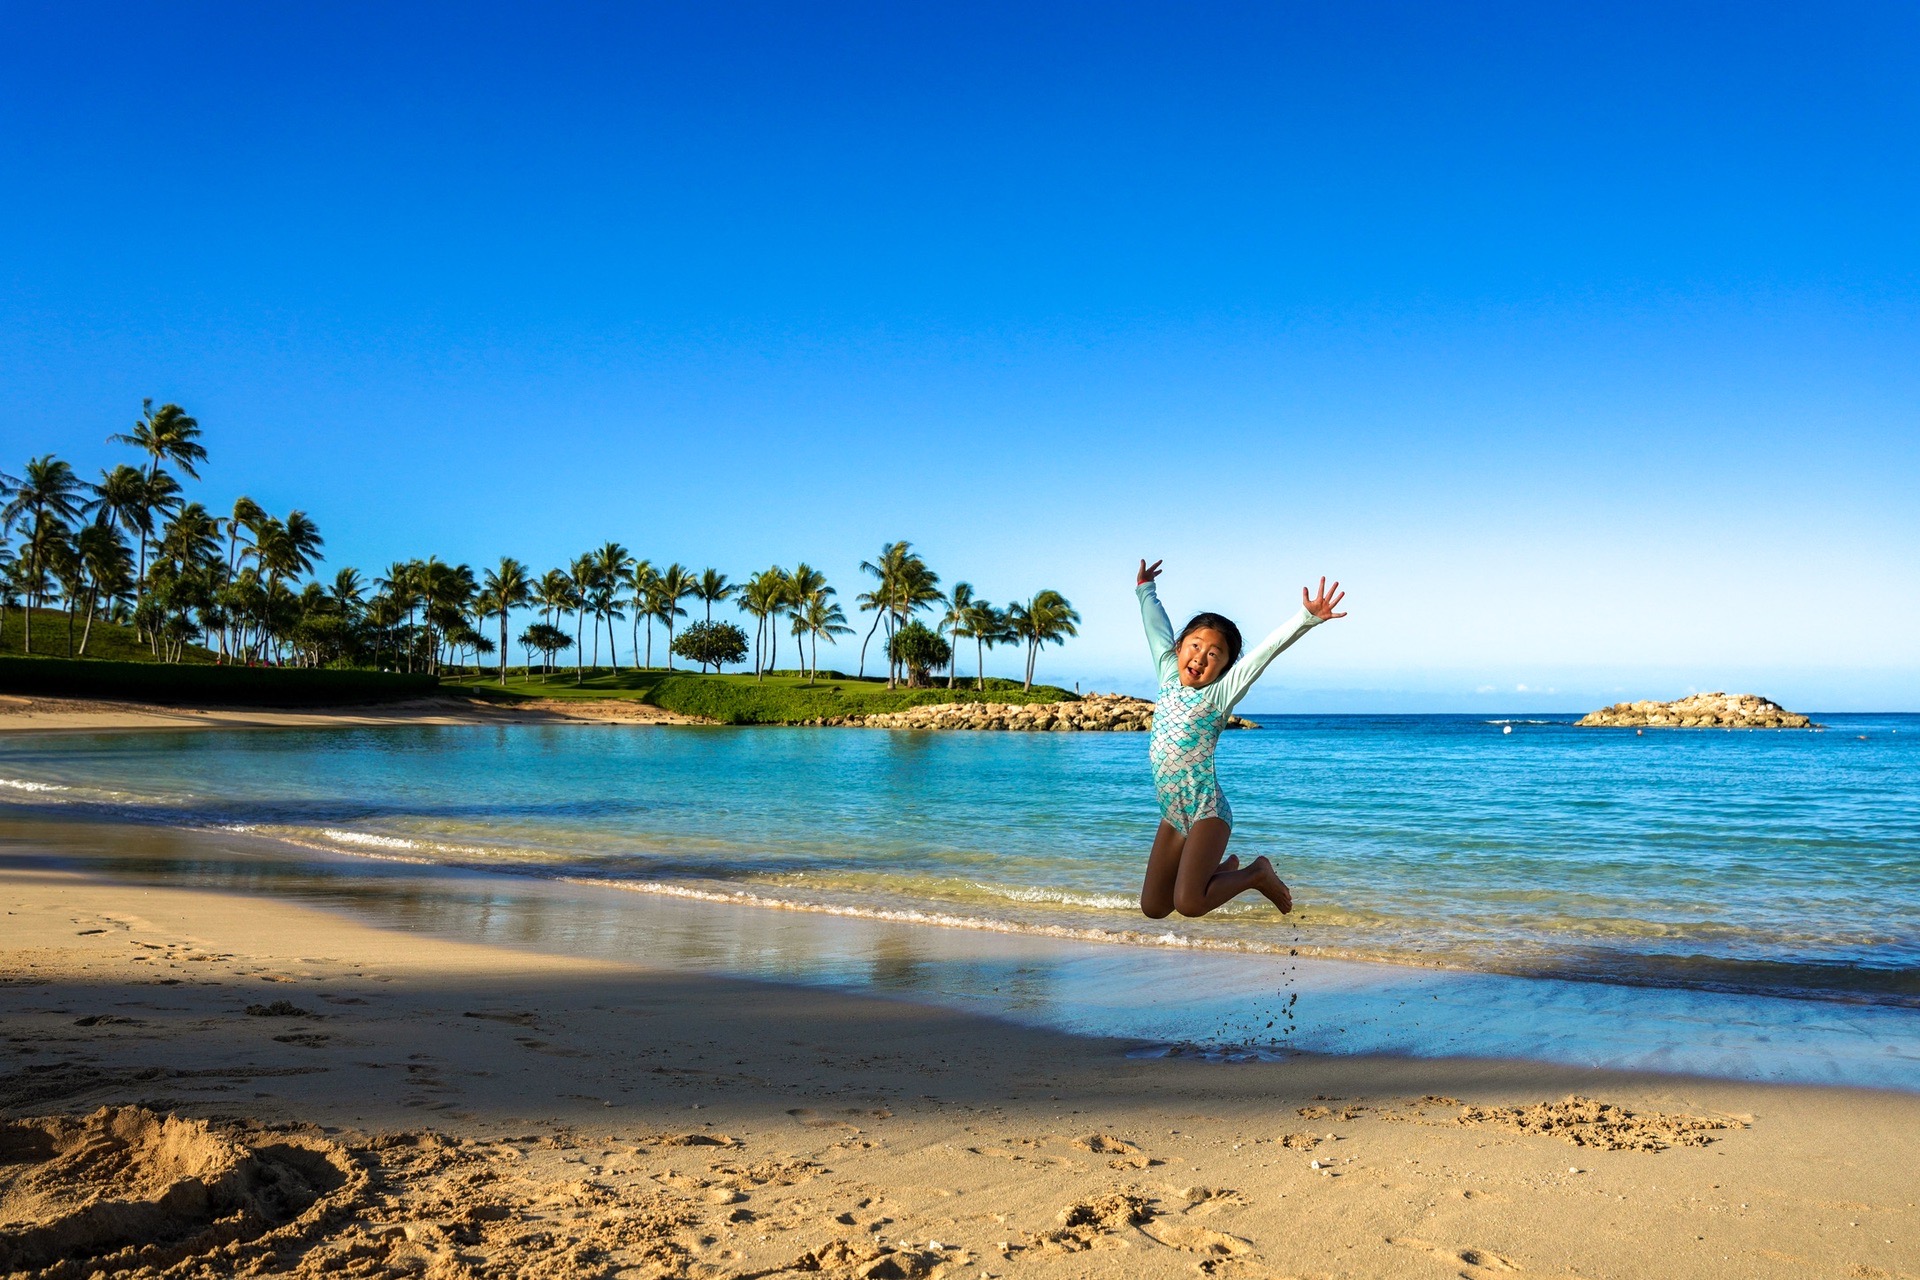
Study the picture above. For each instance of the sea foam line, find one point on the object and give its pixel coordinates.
(19, 785)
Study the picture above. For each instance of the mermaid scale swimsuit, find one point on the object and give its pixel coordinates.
(1186, 728)
(1187, 722)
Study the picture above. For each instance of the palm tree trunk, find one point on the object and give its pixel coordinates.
(669, 644)
(980, 652)
(649, 642)
(503, 648)
(863, 644)
(87, 633)
(579, 650)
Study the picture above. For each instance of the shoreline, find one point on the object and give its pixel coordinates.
(1207, 997)
(531, 1111)
(33, 714)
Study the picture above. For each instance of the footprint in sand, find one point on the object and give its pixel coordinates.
(1192, 1239)
(1472, 1264)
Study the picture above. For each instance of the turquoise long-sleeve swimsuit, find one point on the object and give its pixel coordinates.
(1187, 721)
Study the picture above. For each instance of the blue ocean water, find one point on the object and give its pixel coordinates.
(1770, 863)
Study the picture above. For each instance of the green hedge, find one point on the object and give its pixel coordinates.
(213, 686)
(735, 701)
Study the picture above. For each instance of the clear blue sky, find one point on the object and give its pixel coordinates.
(1583, 347)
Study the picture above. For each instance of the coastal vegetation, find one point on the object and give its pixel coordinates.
(130, 566)
(767, 697)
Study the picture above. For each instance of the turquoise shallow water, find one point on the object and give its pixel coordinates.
(1768, 863)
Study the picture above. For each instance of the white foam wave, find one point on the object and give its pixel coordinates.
(1061, 897)
(948, 920)
(19, 785)
(369, 841)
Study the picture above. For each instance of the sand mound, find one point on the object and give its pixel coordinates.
(1586, 1122)
(124, 1190)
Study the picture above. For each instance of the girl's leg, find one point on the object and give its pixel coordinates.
(1203, 881)
(1163, 869)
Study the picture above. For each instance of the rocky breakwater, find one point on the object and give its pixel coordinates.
(1701, 711)
(1097, 713)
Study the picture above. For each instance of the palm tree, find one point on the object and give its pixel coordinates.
(554, 594)
(886, 570)
(819, 617)
(676, 584)
(580, 575)
(986, 626)
(711, 587)
(1046, 619)
(246, 515)
(611, 563)
(640, 580)
(166, 433)
(507, 589)
(108, 564)
(46, 496)
(957, 605)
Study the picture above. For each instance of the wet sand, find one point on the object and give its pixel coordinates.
(366, 1101)
(96, 715)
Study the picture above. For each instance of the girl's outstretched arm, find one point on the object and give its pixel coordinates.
(1314, 610)
(1154, 619)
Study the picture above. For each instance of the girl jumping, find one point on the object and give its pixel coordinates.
(1202, 678)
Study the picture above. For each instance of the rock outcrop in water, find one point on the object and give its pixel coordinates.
(1701, 711)
(1097, 712)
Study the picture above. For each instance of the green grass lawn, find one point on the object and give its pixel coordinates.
(785, 698)
(108, 641)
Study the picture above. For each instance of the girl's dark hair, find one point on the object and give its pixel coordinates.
(1215, 622)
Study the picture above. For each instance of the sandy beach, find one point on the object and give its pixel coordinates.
(19, 713)
(362, 1101)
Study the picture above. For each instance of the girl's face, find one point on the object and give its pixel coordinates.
(1202, 657)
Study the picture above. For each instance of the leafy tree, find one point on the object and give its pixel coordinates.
(916, 649)
(711, 644)
(507, 589)
(1046, 619)
(547, 640)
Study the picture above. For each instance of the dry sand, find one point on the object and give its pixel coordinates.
(200, 1084)
(96, 715)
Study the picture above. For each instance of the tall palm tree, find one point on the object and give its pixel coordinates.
(819, 617)
(507, 589)
(611, 563)
(986, 626)
(246, 515)
(166, 434)
(580, 575)
(957, 605)
(641, 580)
(711, 587)
(108, 564)
(46, 496)
(554, 594)
(757, 600)
(885, 569)
(1046, 619)
(676, 584)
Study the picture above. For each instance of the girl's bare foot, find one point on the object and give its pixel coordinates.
(1268, 881)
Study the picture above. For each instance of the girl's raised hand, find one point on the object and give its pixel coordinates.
(1148, 572)
(1321, 605)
